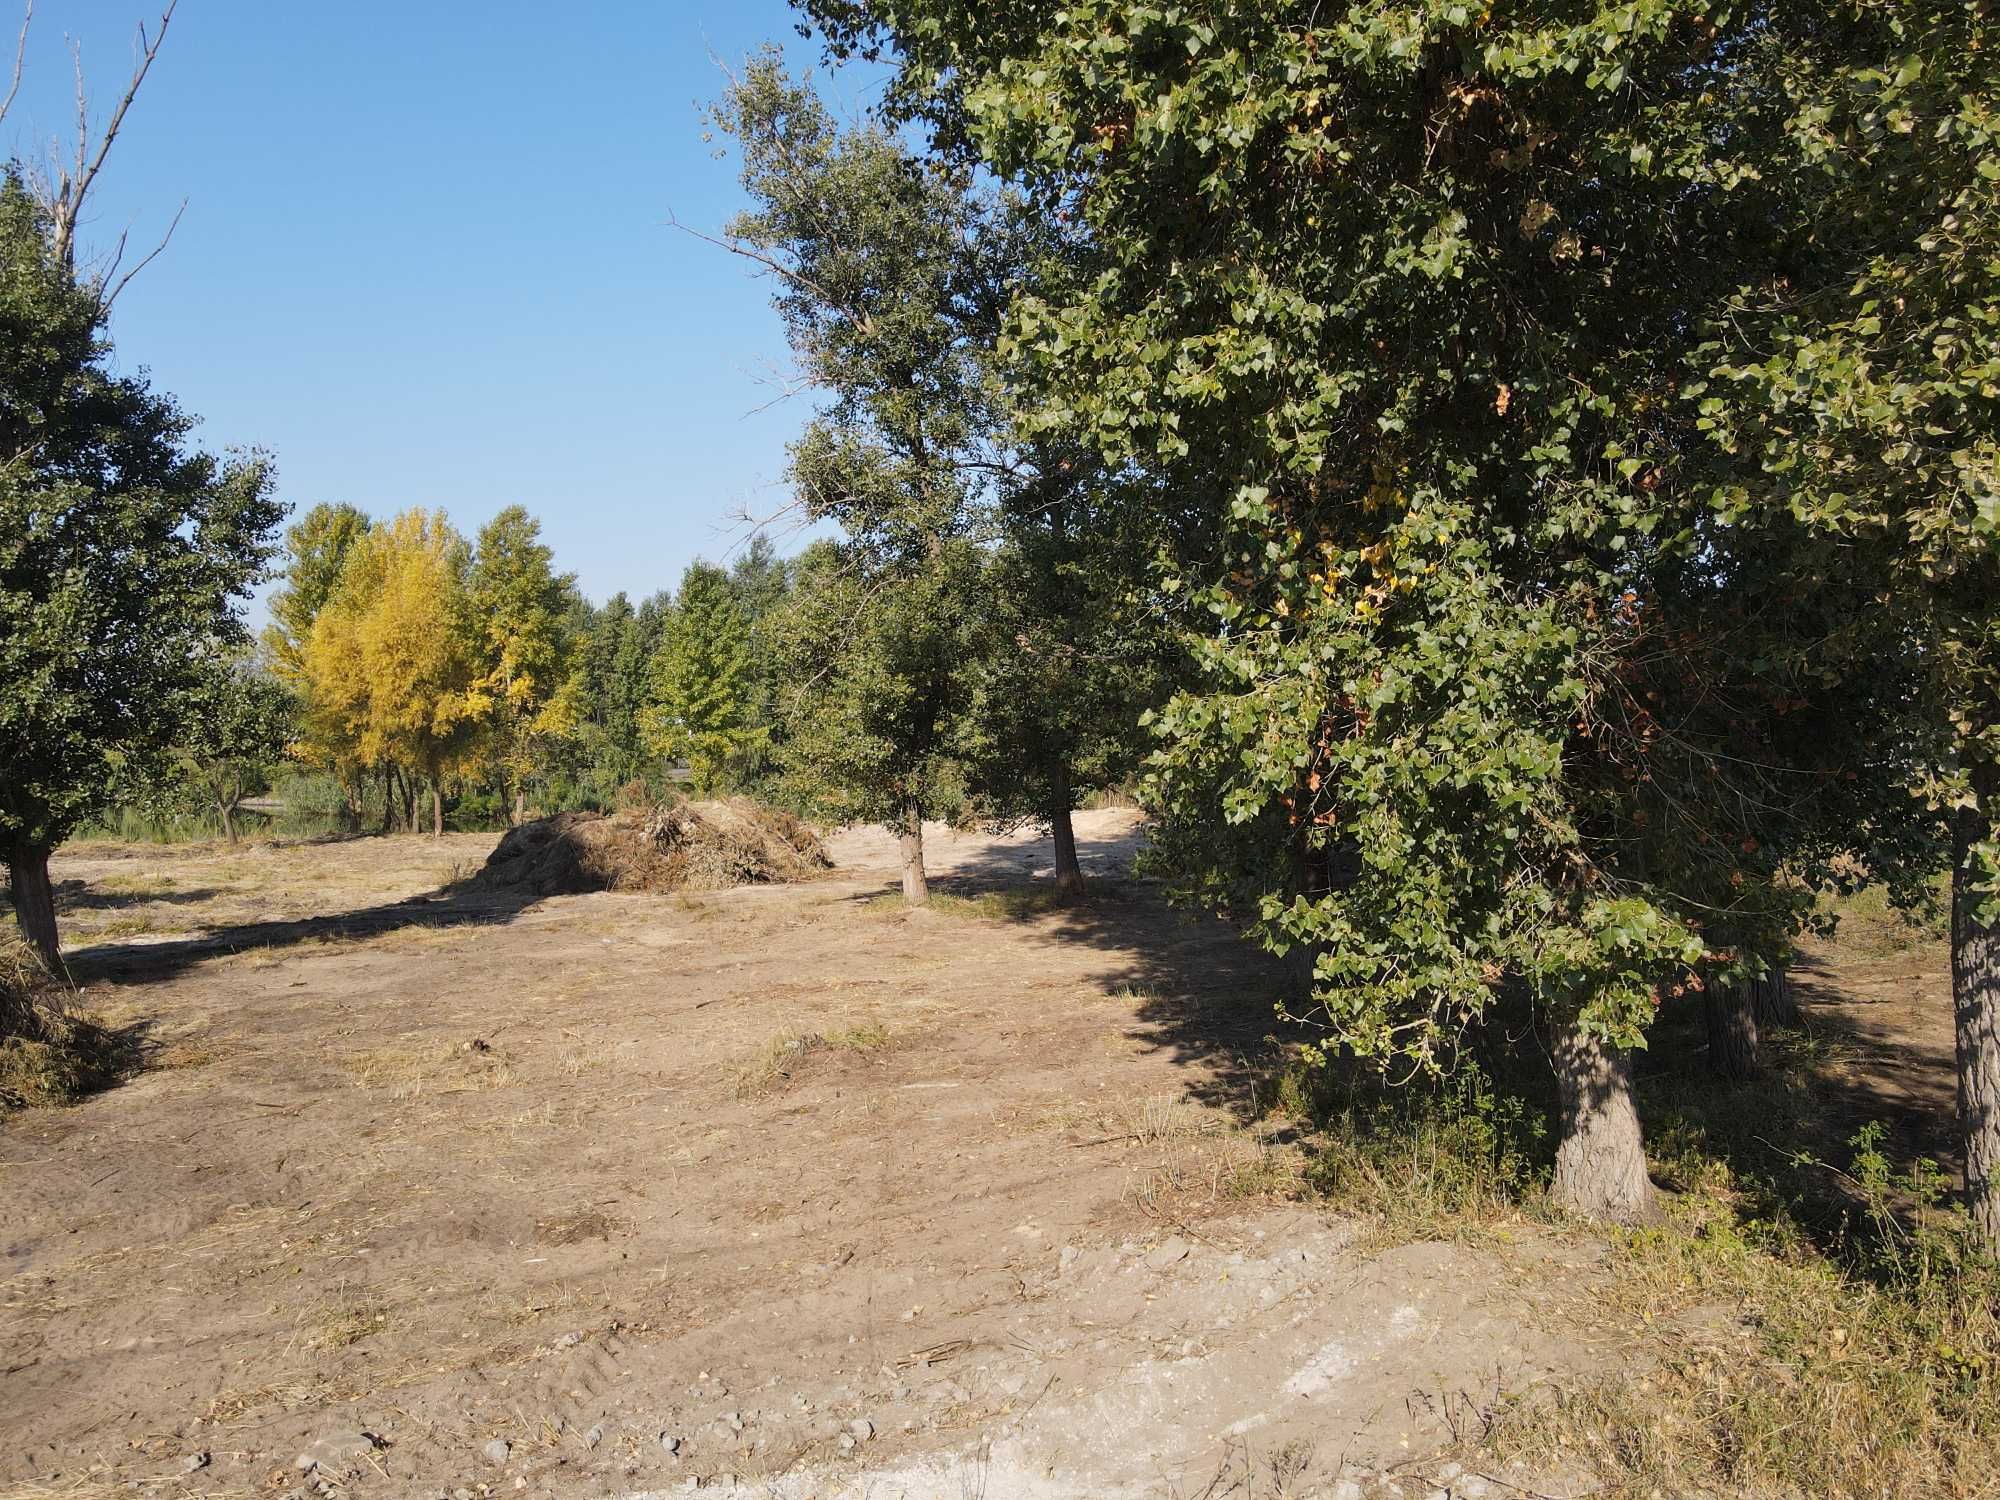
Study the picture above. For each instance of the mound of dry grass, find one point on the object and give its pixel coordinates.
(686, 845)
(49, 1052)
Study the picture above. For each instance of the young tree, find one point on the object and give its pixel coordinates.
(123, 556)
(317, 547)
(876, 701)
(701, 704)
(393, 664)
(522, 608)
(239, 723)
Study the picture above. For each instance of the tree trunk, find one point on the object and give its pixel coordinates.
(227, 801)
(520, 805)
(1975, 994)
(1772, 1000)
(437, 809)
(910, 835)
(388, 800)
(1069, 874)
(1601, 1161)
(35, 903)
(1732, 1030)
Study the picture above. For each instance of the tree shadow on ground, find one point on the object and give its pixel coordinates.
(457, 905)
(81, 895)
(1786, 1135)
(1202, 996)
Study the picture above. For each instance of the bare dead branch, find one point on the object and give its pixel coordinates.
(112, 296)
(72, 189)
(20, 57)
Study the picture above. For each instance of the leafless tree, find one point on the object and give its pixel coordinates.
(64, 187)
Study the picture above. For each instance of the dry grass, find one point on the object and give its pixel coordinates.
(340, 1327)
(576, 1227)
(785, 1057)
(1870, 925)
(414, 1069)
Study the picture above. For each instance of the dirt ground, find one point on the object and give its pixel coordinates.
(779, 1191)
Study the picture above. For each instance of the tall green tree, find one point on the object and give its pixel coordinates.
(1855, 391)
(521, 605)
(1490, 705)
(701, 707)
(882, 304)
(124, 555)
(1080, 644)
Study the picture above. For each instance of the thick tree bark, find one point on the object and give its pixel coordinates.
(1069, 873)
(1975, 993)
(388, 800)
(1732, 1030)
(910, 835)
(1772, 1001)
(35, 903)
(228, 818)
(437, 809)
(1601, 1161)
(520, 806)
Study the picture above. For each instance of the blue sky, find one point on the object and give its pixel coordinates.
(426, 258)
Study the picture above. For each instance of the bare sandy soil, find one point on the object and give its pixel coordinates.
(780, 1190)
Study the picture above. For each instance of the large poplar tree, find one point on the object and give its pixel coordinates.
(1491, 706)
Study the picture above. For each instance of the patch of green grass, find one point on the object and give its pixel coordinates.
(1010, 904)
(1868, 922)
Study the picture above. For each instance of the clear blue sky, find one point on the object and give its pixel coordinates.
(426, 257)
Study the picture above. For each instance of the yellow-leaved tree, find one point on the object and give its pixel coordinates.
(529, 669)
(393, 662)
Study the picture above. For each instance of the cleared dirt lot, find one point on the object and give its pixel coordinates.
(833, 1197)
(780, 1190)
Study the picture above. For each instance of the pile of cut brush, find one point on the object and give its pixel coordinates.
(50, 1053)
(676, 846)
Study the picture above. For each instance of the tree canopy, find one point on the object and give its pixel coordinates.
(123, 556)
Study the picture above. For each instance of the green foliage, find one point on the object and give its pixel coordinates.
(1435, 1159)
(874, 710)
(239, 726)
(702, 705)
(123, 555)
(1402, 304)
(316, 549)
